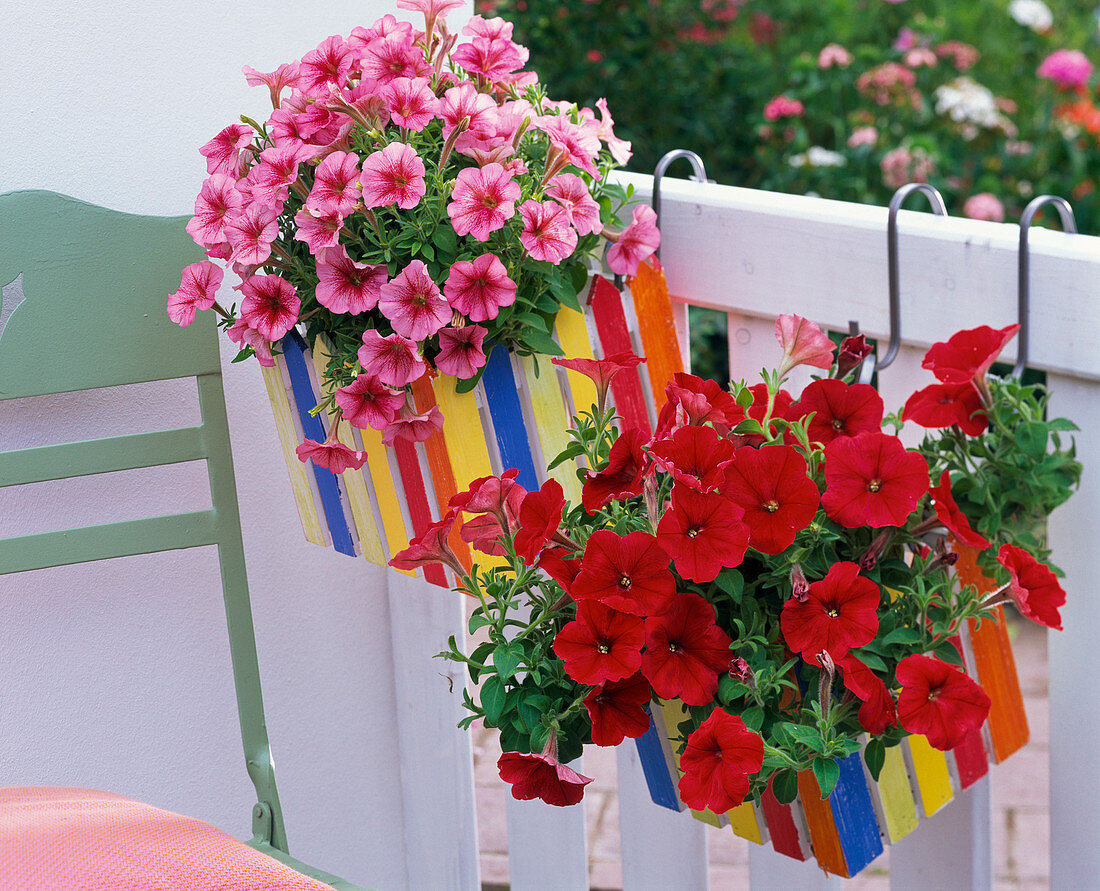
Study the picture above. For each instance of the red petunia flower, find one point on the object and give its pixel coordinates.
(1033, 587)
(561, 569)
(877, 711)
(600, 370)
(703, 533)
(628, 573)
(623, 476)
(939, 701)
(432, 546)
(691, 400)
(771, 486)
(617, 710)
(941, 405)
(694, 456)
(840, 612)
(718, 760)
(500, 496)
(539, 517)
(967, 354)
(839, 409)
(601, 644)
(685, 651)
(872, 480)
(953, 518)
(543, 777)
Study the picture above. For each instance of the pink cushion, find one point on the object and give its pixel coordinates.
(54, 838)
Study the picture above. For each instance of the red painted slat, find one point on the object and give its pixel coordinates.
(416, 496)
(781, 825)
(626, 386)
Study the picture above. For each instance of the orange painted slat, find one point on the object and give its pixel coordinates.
(819, 820)
(995, 664)
(653, 307)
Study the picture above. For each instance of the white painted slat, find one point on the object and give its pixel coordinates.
(769, 871)
(661, 848)
(1074, 706)
(547, 846)
(435, 757)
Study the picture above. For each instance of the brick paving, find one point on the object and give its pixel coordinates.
(1020, 798)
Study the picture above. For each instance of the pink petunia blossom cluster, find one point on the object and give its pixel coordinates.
(414, 199)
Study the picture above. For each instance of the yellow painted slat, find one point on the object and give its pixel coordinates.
(355, 485)
(745, 822)
(552, 422)
(385, 490)
(893, 797)
(573, 337)
(674, 713)
(931, 773)
(288, 440)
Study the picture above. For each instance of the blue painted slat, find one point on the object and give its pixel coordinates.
(854, 815)
(328, 486)
(655, 768)
(507, 415)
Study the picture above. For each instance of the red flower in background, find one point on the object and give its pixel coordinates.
(839, 409)
(718, 760)
(703, 533)
(623, 476)
(840, 612)
(877, 711)
(541, 776)
(939, 701)
(685, 651)
(953, 518)
(694, 456)
(539, 517)
(628, 573)
(941, 405)
(771, 486)
(967, 354)
(1033, 587)
(872, 480)
(617, 710)
(600, 370)
(601, 644)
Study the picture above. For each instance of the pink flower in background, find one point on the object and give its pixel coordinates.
(482, 201)
(393, 175)
(286, 75)
(347, 286)
(803, 343)
(546, 233)
(218, 200)
(834, 54)
(1069, 69)
(270, 305)
(330, 63)
(334, 456)
(902, 165)
(394, 360)
(413, 427)
(637, 241)
(480, 288)
(367, 402)
(460, 351)
(863, 136)
(920, 56)
(318, 231)
(335, 185)
(198, 286)
(242, 334)
(251, 233)
(907, 39)
(570, 191)
(783, 107)
(222, 153)
(411, 102)
(413, 304)
(984, 206)
(963, 55)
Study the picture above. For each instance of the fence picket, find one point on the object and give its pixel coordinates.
(547, 846)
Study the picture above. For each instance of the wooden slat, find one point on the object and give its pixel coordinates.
(416, 498)
(607, 309)
(656, 327)
(786, 830)
(551, 422)
(892, 797)
(509, 427)
(819, 820)
(930, 772)
(125, 539)
(573, 336)
(386, 491)
(747, 822)
(854, 815)
(658, 766)
(968, 760)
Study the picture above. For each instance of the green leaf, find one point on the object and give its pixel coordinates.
(1032, 438)
(808, 736)
(541, 342)
(731, 582)
(905, 636)
(875, 757)
(753, 717)
(466, 385)
(947, 652)
(827, 772)
(785, 786)
(445, 239)
(492, 699)
(507, 658)
(478, 620)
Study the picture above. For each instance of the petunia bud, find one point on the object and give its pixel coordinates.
(825, 683)
(739, 670)
(799, 586)
(870, 557)
(853, 350)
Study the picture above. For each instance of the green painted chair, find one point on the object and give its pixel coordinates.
(96, 280)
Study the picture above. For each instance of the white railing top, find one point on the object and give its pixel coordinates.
(767, 253)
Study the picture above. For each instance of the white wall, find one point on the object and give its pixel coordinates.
(110, 103)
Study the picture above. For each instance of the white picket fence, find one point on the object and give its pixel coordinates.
(753, 255)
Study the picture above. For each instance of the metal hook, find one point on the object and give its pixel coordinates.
(871, 364)
(659, 172)
(1023, 287)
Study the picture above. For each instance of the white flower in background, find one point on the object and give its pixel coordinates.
(1033, 14)
(967, 102)
(816, 156)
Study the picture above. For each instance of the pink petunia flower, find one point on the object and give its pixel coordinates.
(393, 175)
(335, 185)
(1069, 69)
(394, 360)
(330, 63)
(637, 241)
(198, 287)
(482, 201)
(394, 56)
(331, 455)
(579, 144)
(251, 233)
(223, 152)
(411, 102)
(218, 199)
(546, 233)
(460, 352)
(570, 191)
(318, 231)
(480, 288)
(464, 102)
(270, 305)
(278, 169)
(242, 334)
(367, 402)
(413, 427)
(492, 58)
(286, 75)
(347, 286)
(619, 148)
(413, 304)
